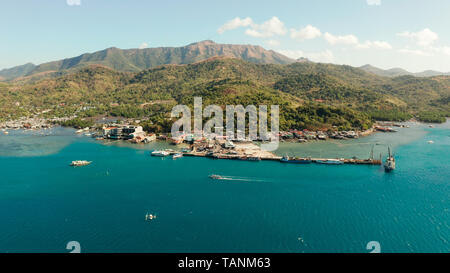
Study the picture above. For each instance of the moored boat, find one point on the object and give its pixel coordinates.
(177, 155)
(295, 160)
(330, 161)
(160, 153)
(389, 164)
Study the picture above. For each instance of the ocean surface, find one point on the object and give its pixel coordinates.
(264, 207)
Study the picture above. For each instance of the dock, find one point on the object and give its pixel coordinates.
(252, 152)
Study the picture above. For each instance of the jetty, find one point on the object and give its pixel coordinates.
(219, 149)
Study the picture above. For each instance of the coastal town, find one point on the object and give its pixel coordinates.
(218, 147)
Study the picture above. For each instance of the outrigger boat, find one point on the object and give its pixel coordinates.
(78, 163)
(149, 217)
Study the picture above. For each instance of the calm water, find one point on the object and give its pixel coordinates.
(268, 207)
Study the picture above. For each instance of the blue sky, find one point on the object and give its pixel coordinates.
(412, 34)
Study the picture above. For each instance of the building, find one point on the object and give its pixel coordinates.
(123, 132)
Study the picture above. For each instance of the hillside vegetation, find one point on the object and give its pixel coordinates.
(310, 95)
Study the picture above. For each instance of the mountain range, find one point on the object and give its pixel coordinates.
(395, 72)
(134, 60)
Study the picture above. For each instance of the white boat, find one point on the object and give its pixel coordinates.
(430, 142)
(78, 163)
(177, 155)
(215, 177)
(330, 161)
(150, 217)
(160, 153)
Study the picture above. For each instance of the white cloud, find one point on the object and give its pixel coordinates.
(415, 52)
(423, 38)
(267, 29)
(322, 57)
(446, 50)
(273, 43)
(345, 39)
(374, 44)
(143, 45)
(306, 33)
(373, 2)
(294, 54)
(235, 23)
(352, 40)
(73, 2)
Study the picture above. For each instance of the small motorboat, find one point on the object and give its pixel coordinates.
(78, 163)
(430, 142)
(177, 155)
(160, 153)
(149, 217)
(216, 177)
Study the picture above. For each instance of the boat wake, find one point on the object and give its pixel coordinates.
(241, 178)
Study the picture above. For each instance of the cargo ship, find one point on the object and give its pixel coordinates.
(389, 164)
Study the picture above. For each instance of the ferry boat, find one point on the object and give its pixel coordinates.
(160, 153)
(177, 155)
(330, 161)
(389, 164)
(78, 163)
(287, 159)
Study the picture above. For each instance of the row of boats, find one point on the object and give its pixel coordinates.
(298, 160)
(389, 164)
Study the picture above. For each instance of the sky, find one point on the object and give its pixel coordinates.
(411, 34)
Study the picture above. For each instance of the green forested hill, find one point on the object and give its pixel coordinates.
(135, 60)
(310, 95)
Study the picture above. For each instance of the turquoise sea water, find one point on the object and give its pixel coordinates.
(267, 207)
